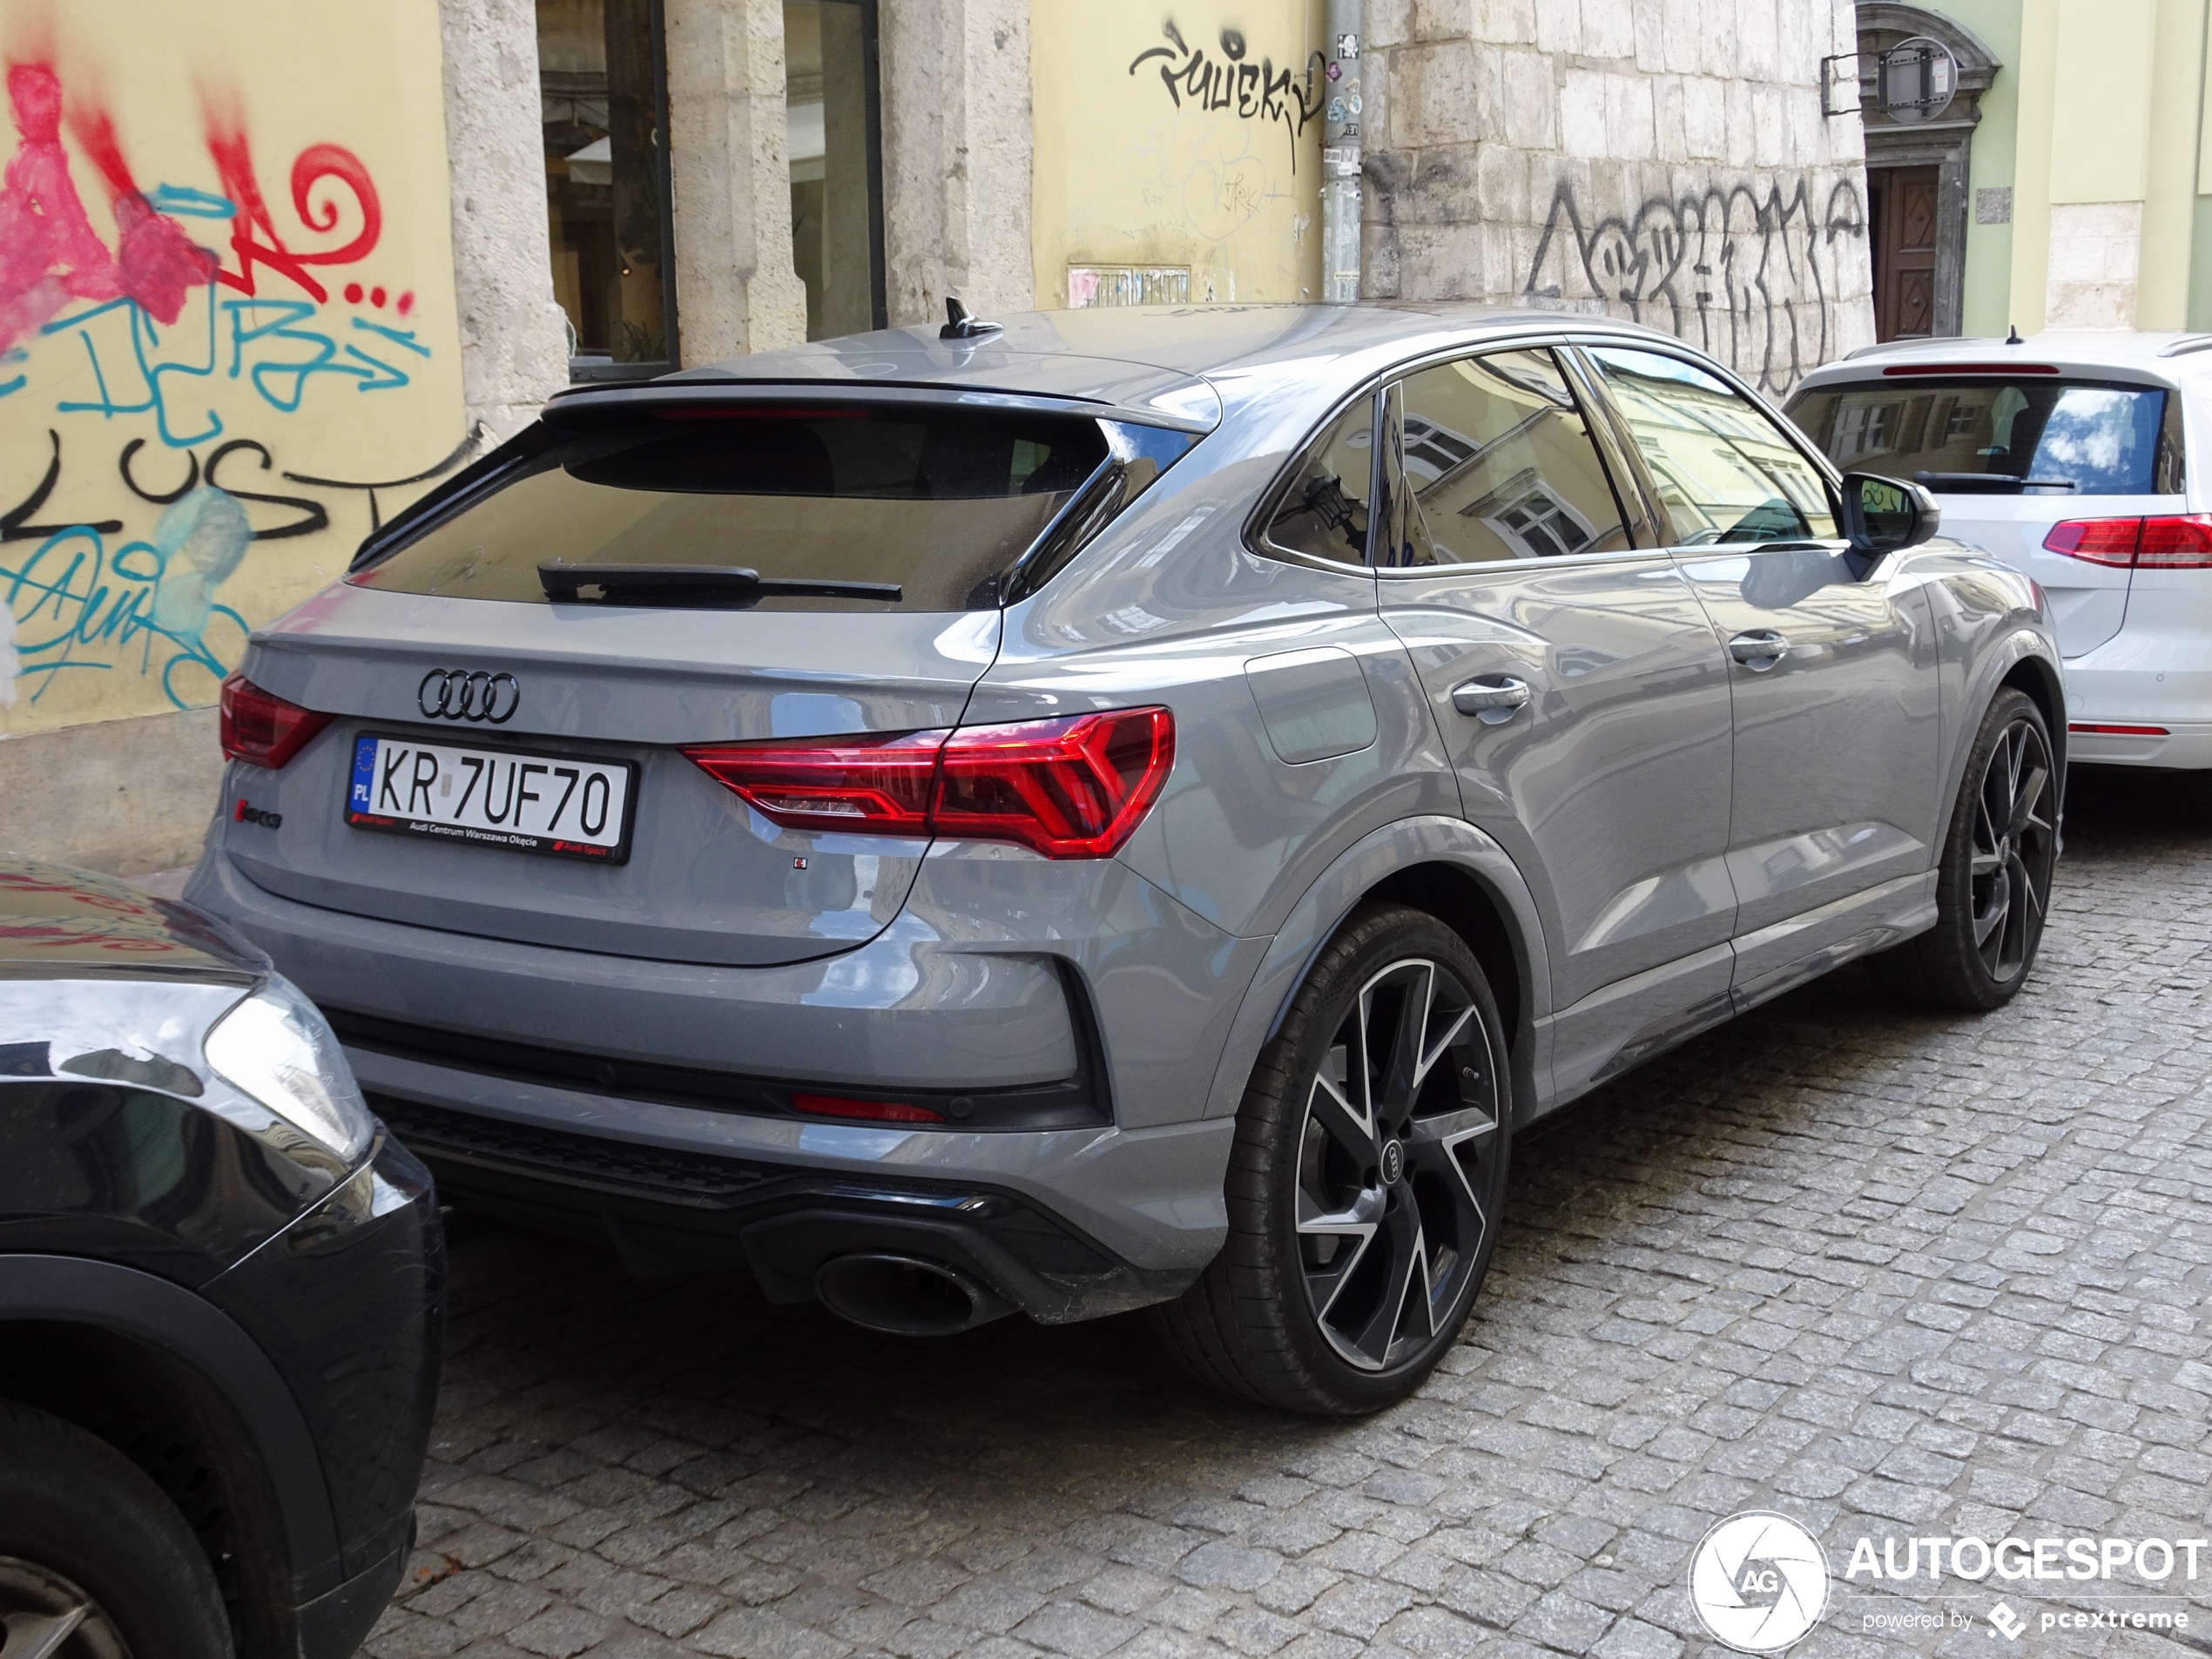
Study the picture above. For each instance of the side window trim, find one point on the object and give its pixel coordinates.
(1640, 508)
(1394, 512)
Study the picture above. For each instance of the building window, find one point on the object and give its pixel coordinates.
(604, 87)
(836, 165)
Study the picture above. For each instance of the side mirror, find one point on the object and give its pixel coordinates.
(1883, 515)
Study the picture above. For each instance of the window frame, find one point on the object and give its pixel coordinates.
(614, 373)
(872, 85)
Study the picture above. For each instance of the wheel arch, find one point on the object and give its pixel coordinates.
(1443, 866)
(178, 1387)
(2021, 662)
(2039, 677)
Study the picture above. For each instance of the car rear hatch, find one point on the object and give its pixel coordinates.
(2010, 449)
(503, 689)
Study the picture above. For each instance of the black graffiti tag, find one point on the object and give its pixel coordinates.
(1748, 271)
(1255, 91)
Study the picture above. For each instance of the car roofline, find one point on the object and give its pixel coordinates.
(669, 393)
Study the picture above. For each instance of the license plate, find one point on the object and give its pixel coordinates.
(554, 805)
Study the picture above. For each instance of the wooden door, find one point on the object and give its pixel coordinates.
(1903, 221)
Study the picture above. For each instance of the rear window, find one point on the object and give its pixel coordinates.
(935, 505)
(1990, 434)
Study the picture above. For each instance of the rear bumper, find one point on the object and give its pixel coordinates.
(2155, 674)
(2180, 746)
(664, 1211)
(947, 998)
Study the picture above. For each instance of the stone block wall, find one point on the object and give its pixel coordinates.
(1665, 161)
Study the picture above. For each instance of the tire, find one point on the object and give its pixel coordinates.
(84, 1533)
(1343, 1318)
(1993, 884)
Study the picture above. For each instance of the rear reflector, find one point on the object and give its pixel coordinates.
(260, 728)
(1070, 788)
(2170, 542)
(2118, 730)
(1970, 369)
(875, 1111)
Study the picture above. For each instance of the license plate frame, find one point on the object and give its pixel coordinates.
(591, 847)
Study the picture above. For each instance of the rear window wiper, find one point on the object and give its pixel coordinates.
(696, 584)
(1987, 483)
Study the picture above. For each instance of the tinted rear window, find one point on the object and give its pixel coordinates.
(936, 503)
(1987, 432)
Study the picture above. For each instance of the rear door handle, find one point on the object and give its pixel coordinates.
(1492, 699)
(1759, 650)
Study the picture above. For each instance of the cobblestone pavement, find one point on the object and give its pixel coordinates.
(1887, 1273)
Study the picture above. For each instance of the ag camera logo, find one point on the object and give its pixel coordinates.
(1759, 1581)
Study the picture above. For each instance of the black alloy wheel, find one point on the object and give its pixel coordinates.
(1366, 1183)
(2016, 844)
(1994, 880)
(1389, 1214)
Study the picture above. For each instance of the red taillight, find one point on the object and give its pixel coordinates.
(2179, 543)
(874, 1111)
(260, 728)
(2172, 542)
(870, 786)
(2120, 730)
(1069, 788)
(2099, 541)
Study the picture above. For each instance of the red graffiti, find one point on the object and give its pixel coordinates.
(155, 263)
(50, 253)
(253, 232)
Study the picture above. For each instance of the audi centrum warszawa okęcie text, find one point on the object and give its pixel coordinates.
(1129, 808)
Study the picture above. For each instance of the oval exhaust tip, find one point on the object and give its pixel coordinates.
(905, 1296)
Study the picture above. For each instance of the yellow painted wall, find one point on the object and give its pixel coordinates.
(1169, 136)
(260, 407)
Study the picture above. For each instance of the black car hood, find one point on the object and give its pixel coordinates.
(60, 923)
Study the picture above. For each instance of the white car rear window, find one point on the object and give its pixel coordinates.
(1996, 434)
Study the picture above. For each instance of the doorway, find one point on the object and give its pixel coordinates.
(1904, 219)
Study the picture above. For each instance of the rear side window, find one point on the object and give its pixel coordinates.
(935, 505)
(1725, 468)
(1324, 511)
(1499, 465)
(1990, 434)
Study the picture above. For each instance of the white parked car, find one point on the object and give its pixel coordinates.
(2063, 455)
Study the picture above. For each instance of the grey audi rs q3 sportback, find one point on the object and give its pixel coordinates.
(1126, 808)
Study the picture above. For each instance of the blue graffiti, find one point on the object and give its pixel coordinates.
(271, 346)
(79, 605)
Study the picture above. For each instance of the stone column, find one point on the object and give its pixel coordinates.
(736, 289)
(514, 340)
(956, 151)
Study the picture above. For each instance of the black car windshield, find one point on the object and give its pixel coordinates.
(911, 509)
(1997, 433)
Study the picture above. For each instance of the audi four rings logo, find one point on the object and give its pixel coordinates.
(448, 694)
